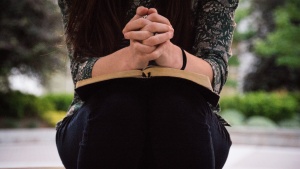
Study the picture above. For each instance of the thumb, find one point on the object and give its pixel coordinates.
(141, 11)
(151, 11)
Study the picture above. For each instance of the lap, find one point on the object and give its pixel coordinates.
(144, 123)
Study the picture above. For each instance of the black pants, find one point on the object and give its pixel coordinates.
(144, 123)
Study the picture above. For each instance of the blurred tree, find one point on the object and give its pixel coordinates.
(276, 45)
(29, 31)
(284, 42)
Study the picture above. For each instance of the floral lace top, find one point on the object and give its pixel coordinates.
(214, 31)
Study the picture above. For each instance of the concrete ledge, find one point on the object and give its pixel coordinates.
(265, 136)
(38, 168)
(239, 135)
(8, 136)
(35, 149)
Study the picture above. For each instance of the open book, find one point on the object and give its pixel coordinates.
(83, 87)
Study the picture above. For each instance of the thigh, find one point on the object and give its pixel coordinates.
(221, 140)
(69, 136)
(180, 135)
(115, 132)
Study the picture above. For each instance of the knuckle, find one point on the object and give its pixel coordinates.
(149, 41)
(152, 49)
(127, 35)
(154, 55)
(166, 27)
(151, 26)
(164, 37)
(148, 49)
(135, 45)
(154, 16)
(157, 39)
(146, 35)
(125, 29)
(170, 35)
(143, 22)
(149, 34)
(145, 28)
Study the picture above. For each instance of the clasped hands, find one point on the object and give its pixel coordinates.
(149, 34)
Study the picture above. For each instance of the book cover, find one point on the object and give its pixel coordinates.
(85, 87)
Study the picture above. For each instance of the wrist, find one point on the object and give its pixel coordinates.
(126, 63)
(184, 59)
(174, 56)
(132, 60)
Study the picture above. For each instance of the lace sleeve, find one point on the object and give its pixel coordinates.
(214, 32)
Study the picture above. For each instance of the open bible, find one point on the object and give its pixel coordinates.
(84, 88)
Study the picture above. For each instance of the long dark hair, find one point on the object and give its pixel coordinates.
(94, 27)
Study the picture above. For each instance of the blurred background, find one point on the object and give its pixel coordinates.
(264, 72)
(262, 91)
(35, 82)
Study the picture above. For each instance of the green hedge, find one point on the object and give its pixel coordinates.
(18, 105)
(52, 117)
(15, 104)
(233, 117)
(61, 102)
(275, 106)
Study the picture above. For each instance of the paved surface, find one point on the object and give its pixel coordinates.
(28, 149)
(36, 149)
(281, 137)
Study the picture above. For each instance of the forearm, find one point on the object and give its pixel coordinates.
(173, 58)
(136, 55)
(198, 65)
(127, 58)
(114, 62)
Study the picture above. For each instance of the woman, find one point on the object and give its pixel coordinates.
(162, 123)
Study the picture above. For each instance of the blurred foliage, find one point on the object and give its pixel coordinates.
(20, 105)
(291, 123)
(260, 121)
(9, 123)
(28, 122)
(284, 42)
(29, 31)
(275, 106)
(240, 36)
(242, 13)
(276, 45)
(268, 76)
(61, 102)
(233, 61)
(16, 105)
(237, 118)
(263, 15)
(52, 117)
(233, 117)
(231, 83)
